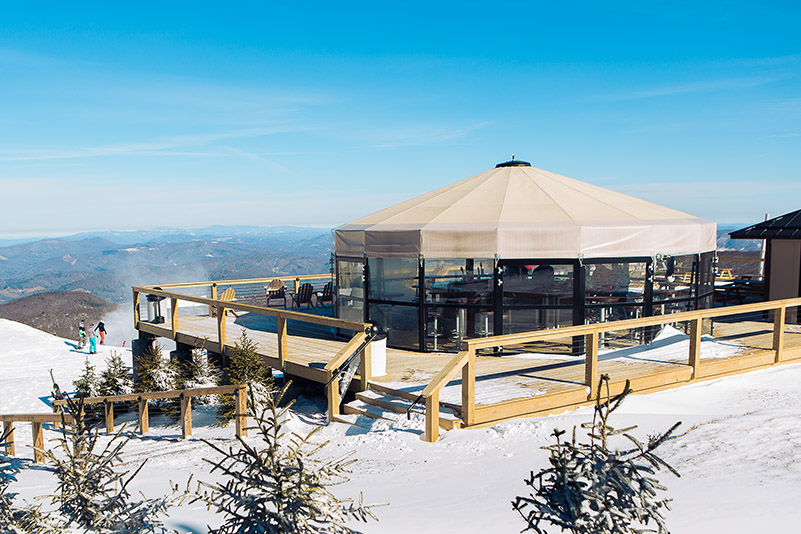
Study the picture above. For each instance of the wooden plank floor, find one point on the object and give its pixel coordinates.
(498, 378)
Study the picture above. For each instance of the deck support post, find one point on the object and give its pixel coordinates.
(779, 316)
(468, 389)
(591, 364)
(332, 392)
(221, 334)
(365, 368)
(109, 412)
(241, 411)
(136, 309)
(213, 297)
(144, 416)
(695, 345)
(38, 443)
(186, 415)
(432, 417)
(281, 327)
(8, 429)
(174, 317)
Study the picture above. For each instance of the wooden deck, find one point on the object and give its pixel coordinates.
(498, 378)
(533, 374)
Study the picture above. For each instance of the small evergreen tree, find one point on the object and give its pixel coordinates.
(282, 487)
(92, 494)
(246, 367)
(154, 372)
(116, 379)
(199, 373)
(88, 384)
(590, 488)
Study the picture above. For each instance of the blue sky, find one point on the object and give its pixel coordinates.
(188, 114)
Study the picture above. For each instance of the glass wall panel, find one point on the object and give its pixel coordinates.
(393, 279)
(516, 320)
(350, 290)
(674, 279)
(614, 291)
(459, 281)
(706, 276)
(401, 323)
(447, 326)
(540, 285)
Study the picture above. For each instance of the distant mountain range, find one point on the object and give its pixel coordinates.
(107, 264)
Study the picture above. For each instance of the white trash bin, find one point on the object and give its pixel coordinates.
(378, 355)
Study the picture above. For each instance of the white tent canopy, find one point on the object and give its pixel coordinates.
(518, 211)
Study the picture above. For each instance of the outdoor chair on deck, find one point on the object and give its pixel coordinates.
(276, 290)
(230, 296)
(327, 295)
(303, 296)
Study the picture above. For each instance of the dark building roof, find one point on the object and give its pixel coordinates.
(787, 226)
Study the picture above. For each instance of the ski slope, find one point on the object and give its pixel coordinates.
(739, 451)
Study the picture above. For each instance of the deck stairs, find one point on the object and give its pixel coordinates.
(380, 407)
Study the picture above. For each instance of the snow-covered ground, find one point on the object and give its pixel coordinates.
(739, 450)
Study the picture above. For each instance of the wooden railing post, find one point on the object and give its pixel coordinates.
(591, 363)
(8, 429)
(38, 443)
(109, 410)
(221, 334)
(241, 411)
(779, 316)
(282, 338)
(57, 424)
(186, 415)
(332, 392)
(695, 345)
(468, 388)
(365, 368)
(432, 417)
(136, 309)
(213, 297)
(144, 416)
(174, 316)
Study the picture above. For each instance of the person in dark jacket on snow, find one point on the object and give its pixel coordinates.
(101, 329)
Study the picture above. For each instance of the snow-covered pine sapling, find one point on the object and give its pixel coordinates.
(88, 385)
(92, 493)
(14, 519)
(280, 486)
(156, 373)
(199, 373)
(591, 488)
(116, 379)
(246, 367)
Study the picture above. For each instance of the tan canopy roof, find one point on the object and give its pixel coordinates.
(518, 211)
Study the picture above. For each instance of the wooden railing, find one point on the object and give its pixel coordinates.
(465, 361)
(219, 308)
(365, 372)
(185, 396)
(36, 420)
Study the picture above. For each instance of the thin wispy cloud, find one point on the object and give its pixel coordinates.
(164, 146)
(691, 87)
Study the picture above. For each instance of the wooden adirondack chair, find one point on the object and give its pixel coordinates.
(230, 296)
(304, 296)
(327, 295)
(276, 290)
